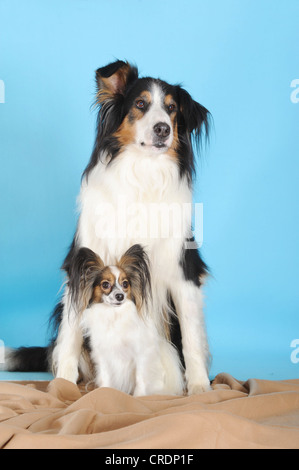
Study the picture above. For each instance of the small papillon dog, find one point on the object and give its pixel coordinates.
(137, 183)
(126, 350)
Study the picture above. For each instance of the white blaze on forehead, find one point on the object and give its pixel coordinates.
(155, 114)
(157, 97)
(116, 272)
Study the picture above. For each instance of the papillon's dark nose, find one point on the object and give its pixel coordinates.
(162, 130)
(119, 297)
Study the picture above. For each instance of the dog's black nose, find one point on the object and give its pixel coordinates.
(162, 130)
(119, 297)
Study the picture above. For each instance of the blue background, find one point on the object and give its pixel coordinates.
(236, 57)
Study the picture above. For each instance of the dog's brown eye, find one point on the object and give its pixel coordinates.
(106, 285)
(125, 284)
(140, 104)
(171, 108)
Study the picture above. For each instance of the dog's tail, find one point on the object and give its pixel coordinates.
(31, 359)
(35, 358)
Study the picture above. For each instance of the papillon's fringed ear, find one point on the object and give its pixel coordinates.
(196, 117)
(83, 271)
(113, 79)
(135, 263)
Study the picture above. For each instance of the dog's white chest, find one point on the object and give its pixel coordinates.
(134, 201)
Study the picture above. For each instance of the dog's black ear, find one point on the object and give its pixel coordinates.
(83, 271)
(196, 118)
(114, 78)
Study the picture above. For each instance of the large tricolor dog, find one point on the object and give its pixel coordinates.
(135, 190)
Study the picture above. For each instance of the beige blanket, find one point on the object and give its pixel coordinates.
(59, 414)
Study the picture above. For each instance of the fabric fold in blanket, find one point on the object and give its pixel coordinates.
(234, 414)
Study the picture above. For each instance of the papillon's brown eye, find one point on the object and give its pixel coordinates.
(106, 285)
(140, 104)
(125, 284)
(171, 107)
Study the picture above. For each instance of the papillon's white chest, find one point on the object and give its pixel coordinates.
(128, 352)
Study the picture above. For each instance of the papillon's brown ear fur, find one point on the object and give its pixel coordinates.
(83, 272)
(135, 264)
(113, 79)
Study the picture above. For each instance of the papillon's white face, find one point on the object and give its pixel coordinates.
(93, 282)
(112, 288)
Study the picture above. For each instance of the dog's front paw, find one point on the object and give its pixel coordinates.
(199, 387)
(68, 370)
